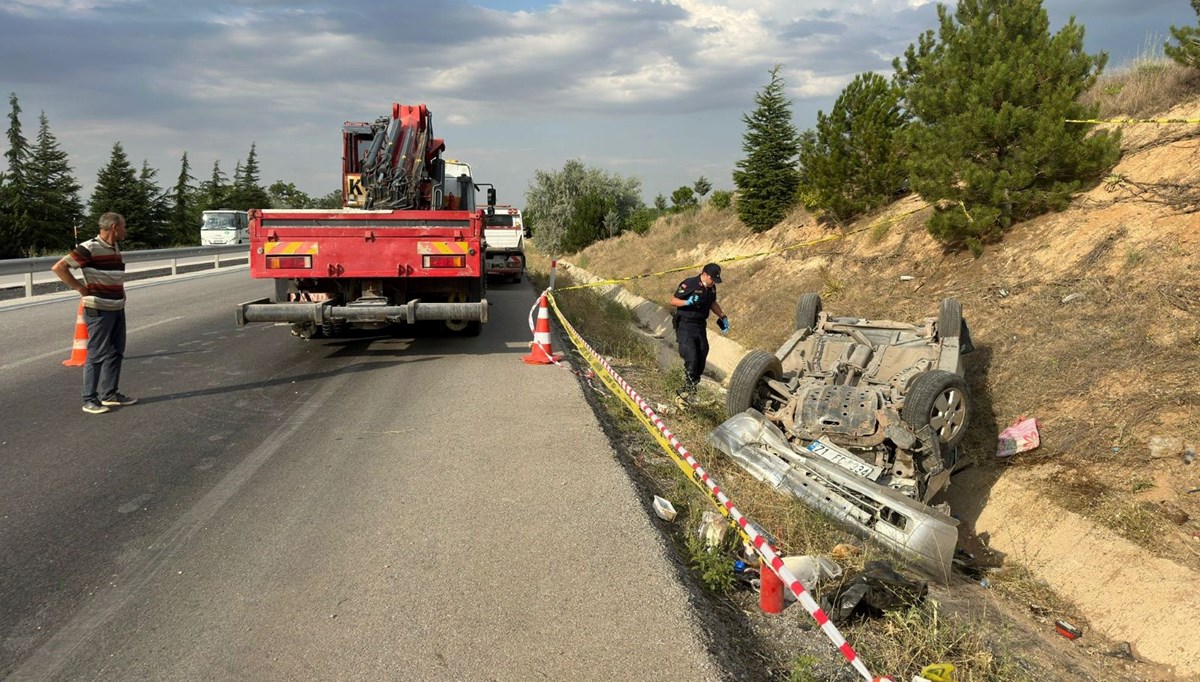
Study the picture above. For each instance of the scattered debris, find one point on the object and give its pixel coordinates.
(1022, 436)
(664, 509)
(713, 528)
(877, 589)
(844, 552)
(1189, 455)
(1122, 650)
(1072, 297)
(906, 278)
(811, 571)
(937, 672)
(1162, 447)
(1067, 630)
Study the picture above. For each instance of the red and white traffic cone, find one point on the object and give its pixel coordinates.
(541, 353)
(79, 345)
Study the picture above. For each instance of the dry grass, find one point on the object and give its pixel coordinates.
(1148, 85)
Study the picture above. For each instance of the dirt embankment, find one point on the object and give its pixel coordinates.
(1088, 320)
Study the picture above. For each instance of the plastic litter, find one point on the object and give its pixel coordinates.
(937, 672)
(664, 509)
(1067, 630)
(877, 589)
(713, 528)
(1072, 297)
(810, 571)
(1022, 436)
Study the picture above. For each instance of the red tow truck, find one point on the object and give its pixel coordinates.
(393, 254)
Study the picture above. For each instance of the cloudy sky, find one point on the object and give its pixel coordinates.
(649, 88)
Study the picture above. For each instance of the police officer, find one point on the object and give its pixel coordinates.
(693, 299)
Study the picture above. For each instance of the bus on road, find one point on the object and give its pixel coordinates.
(224, 227)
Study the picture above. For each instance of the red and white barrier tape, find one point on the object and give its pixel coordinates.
(761, 545)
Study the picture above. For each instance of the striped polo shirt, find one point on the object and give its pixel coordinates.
(103, 273)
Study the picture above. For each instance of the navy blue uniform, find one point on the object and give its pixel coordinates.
(692, 334)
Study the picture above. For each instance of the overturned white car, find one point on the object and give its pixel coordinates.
(859, 419)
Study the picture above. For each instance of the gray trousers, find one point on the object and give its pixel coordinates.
(105, 350)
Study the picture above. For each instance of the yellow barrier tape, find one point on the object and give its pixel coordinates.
(612, 385)
(786, 249)
(1135, 120)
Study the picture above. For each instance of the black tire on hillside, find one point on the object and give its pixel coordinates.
(950, 319)
(807, 309)
(746, 386)
(939, 399)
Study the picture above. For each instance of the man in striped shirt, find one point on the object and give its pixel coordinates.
(103, 295)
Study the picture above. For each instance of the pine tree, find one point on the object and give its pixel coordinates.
(852, 162)
(154, 225)
(249, 187)
(767, 178)
(53, 205)
(1186, 49)
(118, 189)
(214, 192)
(14, 191)
(683, 197)
(991, 96)
(185, 216)
(702, 186)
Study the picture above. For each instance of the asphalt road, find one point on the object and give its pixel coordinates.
(380, 507)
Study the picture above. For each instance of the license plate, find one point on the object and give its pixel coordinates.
(845, 460)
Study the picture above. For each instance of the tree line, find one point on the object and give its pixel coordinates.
(42, 212)
(974, 120)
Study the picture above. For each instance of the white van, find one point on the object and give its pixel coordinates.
(224, 227)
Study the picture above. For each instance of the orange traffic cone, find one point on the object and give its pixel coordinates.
(79, 346)
(541, 353)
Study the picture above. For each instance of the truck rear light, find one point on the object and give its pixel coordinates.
(445, 261)
(289, 262)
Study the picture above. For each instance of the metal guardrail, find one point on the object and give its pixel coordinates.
(30, 266)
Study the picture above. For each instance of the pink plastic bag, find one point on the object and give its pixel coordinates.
(1022, 436)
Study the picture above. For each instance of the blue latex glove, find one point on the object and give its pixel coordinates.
(693, 299)
(723, 323)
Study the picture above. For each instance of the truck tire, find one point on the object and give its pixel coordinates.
(939, 399)
(807, 310)
(746, 387)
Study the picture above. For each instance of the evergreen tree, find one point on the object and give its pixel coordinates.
(14, 191)
(1186, 49)
(990, 96)
(684, 197)
(851, 163)
(250, 191)
(214, 192)
(154, 228)
(53, 204)
(702, 186)
(118, 189)
(660, 202)
(185, 214)
(767, 178)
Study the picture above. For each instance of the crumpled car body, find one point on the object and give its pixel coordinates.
(861, 420)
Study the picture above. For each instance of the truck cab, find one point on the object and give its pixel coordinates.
(504, 236)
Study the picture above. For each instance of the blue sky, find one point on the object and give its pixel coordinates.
(643, 88)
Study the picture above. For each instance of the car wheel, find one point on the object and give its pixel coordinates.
(746, 386)
(807, 310)
(939, 399)
(950, 319)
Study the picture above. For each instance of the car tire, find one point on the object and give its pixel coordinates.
(746, 383)
(807, 310)
(950, 320)
(939, 399)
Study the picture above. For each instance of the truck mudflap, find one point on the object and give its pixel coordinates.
(917, 531)
(321, 312)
